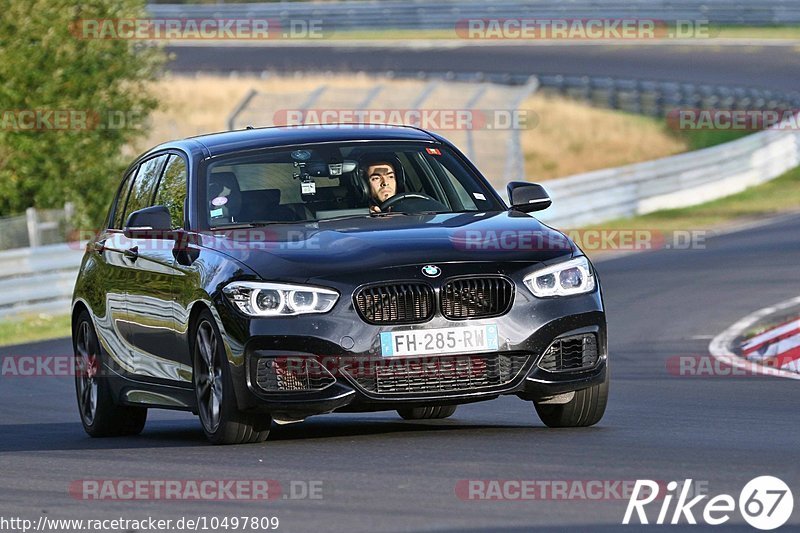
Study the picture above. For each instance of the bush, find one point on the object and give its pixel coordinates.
(68, 105)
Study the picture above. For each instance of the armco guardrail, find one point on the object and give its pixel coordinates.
(38, 280)
(644, 97)
(670, 182)
(424, 14)
(658, 98)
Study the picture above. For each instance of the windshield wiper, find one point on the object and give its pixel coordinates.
(246, 225)
(342, 217)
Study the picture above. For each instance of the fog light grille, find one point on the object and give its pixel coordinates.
(279, 374)
(576, 352)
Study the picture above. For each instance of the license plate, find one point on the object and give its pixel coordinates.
(468, 339)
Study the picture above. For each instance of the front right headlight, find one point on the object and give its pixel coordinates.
(563, 279)
(263, 299)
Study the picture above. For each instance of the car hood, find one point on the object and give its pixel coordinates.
(330, 248)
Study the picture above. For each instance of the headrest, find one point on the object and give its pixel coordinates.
(270, 197)
(224, 196)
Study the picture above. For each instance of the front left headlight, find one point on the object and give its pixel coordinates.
(563, 279)
(263, 299)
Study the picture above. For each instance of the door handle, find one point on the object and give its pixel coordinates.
(132, 253)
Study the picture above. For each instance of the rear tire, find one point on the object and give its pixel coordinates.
(427, 413)
(585, 409)
(100, 415)
(222, 422)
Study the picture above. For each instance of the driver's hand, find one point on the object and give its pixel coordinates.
(374, 209)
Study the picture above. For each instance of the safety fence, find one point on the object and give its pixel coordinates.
(483, 119)
(36, 227)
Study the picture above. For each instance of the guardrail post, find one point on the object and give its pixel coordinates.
(32, 219)
(515, 159)
(471, 103)
(241, 107)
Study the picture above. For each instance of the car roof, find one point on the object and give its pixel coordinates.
(215, 144)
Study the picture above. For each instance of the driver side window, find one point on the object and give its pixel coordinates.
(143, 186)
(171, 191)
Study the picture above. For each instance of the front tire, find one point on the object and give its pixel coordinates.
(585, 409)
(427, 413)
(222, 422)
(100, 415)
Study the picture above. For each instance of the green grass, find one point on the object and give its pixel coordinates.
(774, 197)
(394, 34)
(755, 32)
(699, 139)
(30, 328)
(694, 139)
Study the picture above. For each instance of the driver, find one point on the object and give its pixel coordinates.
(382, 183)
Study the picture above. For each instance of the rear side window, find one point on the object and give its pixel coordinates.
(172, 189)
(141, 194)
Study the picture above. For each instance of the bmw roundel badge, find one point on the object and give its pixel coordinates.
(431, 271)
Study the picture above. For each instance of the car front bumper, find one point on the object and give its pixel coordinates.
(342, 345)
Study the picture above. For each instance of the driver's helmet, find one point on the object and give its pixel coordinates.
(372, 158)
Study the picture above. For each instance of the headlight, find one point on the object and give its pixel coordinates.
(278, 299)
(570, 277)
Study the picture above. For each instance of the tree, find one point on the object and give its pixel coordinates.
(69, 103)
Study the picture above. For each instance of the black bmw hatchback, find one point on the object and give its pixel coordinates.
(273, 274)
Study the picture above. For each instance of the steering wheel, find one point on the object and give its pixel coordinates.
(397, 198)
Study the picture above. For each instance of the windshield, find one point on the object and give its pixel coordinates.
(323, 181)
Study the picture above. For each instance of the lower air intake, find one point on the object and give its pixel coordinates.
(438, 374)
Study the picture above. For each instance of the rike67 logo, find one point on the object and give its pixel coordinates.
(765, 503)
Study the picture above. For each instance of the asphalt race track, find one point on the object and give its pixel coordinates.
(775, 67)
(380, 473)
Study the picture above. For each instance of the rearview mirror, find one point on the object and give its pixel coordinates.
(527, 197)
(149, 223)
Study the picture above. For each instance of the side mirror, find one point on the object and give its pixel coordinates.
(528, 197)
(149, 223)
